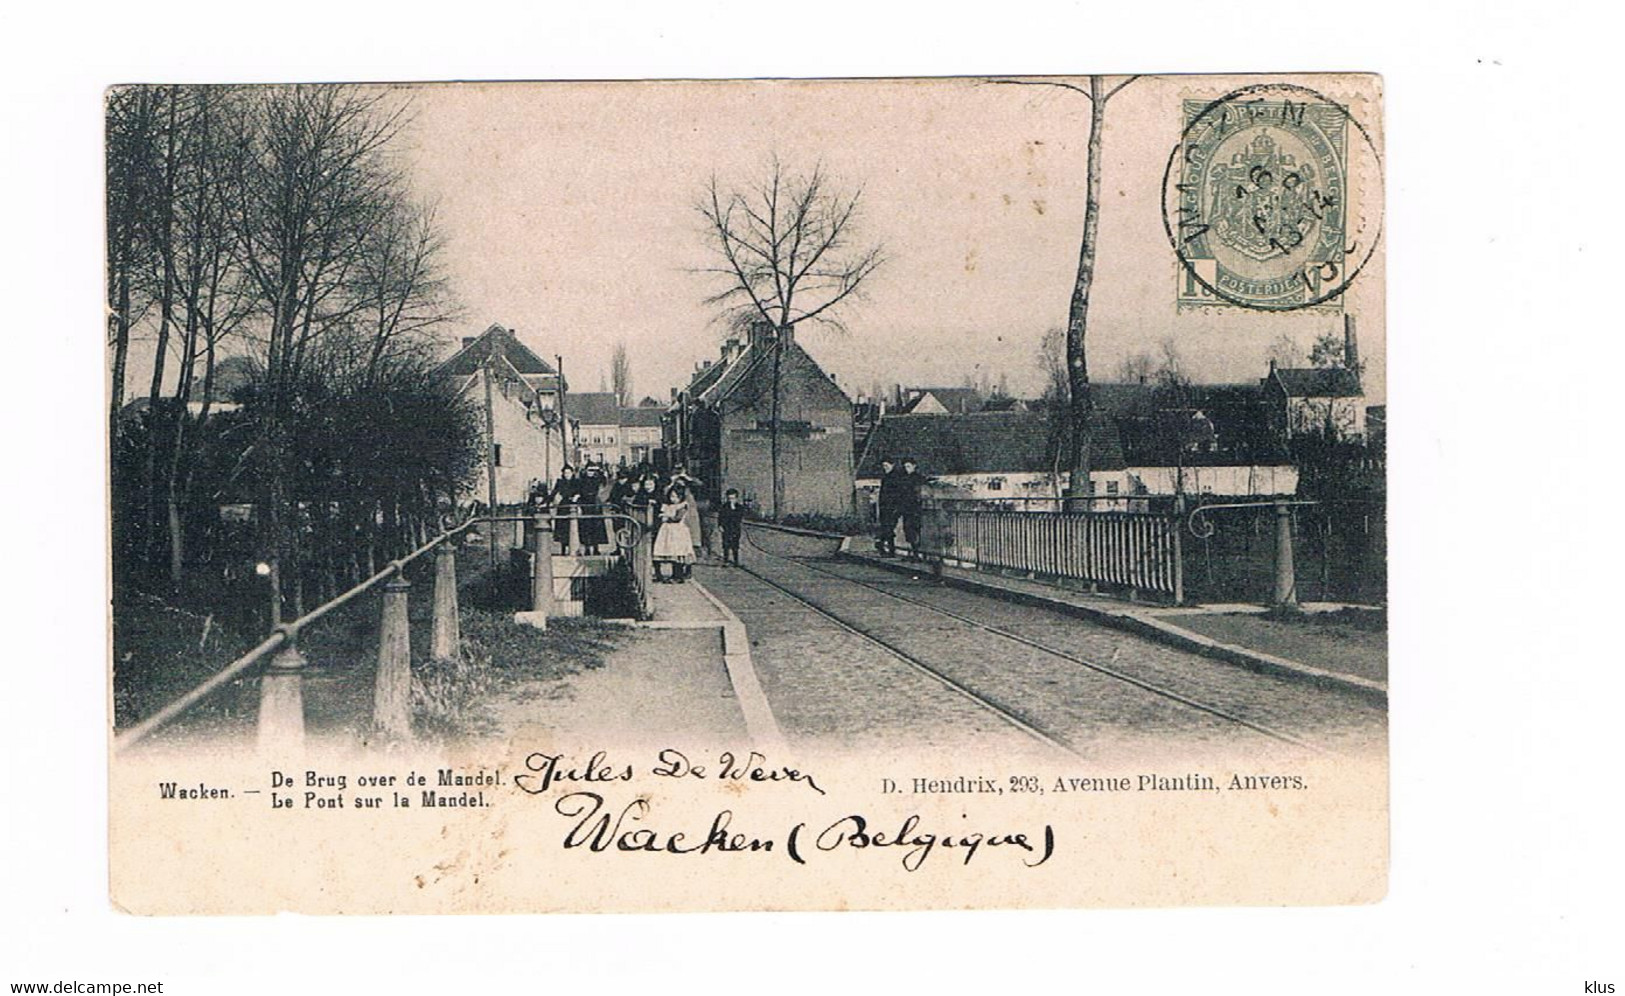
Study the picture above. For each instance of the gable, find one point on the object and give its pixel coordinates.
(472, 357)
(747, 383)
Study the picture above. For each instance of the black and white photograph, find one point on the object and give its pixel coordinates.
(590, 499)
(555, 457)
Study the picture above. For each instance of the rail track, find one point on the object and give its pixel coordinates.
(1011, 712)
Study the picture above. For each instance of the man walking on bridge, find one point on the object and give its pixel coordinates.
(886, 535)
(909, 483)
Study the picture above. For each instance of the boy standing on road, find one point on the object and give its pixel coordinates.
(731, 517)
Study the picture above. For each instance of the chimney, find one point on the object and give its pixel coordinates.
(761, 332)
(468, 340)
(730, 349)
(789, 334)
(1351, 348)
(674, 394)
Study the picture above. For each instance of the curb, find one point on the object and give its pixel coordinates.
(764, 729)
(1142, 624)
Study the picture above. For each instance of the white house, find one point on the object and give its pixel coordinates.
(524, 391)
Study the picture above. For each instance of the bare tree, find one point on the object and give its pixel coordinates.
(209, 293)
(1327, 351)
(314, 184)
(620, 375)
(132, 132)
(1136, 368)
(1284, 352)
(399, 281)
(1051, 359)
(1080, 404)
(788, 253)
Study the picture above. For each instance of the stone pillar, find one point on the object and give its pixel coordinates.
(1286, 582)
(643, 557)
(281, 726)
(541, 575)
(392, 694)
(446, 634)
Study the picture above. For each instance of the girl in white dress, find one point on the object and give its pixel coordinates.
(674, 543)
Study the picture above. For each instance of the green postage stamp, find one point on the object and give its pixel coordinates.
(1258, 201)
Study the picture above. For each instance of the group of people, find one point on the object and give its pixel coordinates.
(679, 526)
(899, 501)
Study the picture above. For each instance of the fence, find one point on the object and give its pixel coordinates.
(1136, 551)
(1339, 549)
(280, 724)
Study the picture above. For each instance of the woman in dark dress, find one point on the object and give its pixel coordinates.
(565, 494)
(592, 491)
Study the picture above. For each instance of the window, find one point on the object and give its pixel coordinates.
(1111, 487)
(995, 484)
(496, 454)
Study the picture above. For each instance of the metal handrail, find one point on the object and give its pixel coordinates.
(287, 634)
(1207, 529)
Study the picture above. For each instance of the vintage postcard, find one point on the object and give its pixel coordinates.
(747, 495)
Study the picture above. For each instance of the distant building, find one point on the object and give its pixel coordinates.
(1320, 400)
(597, 418)
(524, 391)
(1215, 439)
(1146, 442)
(641, 433)
(939, 401)
(990, 455)
(721, 424)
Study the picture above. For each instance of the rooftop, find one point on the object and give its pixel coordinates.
(981, 443)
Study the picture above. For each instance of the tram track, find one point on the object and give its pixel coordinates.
(1011, 714)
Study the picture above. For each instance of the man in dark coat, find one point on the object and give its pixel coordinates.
(909, 483)
(886, 536)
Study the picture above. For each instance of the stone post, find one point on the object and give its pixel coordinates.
(282, 703)
(541, 575)
(1286, 582)
(573, 546)
(643, 557)
(392, 694)
(1179, 549)
(446, 635)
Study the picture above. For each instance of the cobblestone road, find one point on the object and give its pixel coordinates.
(831, 687)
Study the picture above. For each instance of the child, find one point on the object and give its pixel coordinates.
(731, 517)
(674, 544)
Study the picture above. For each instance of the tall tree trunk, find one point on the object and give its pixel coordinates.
(1081, 405)
(121, 339)
(164, 238)
(773, 427)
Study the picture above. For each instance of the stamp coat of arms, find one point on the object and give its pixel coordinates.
(1258, 204)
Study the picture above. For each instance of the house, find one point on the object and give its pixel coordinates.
(939, 401)
(1147, 442)
(1320, 400)
(597, 425)
(527, 444)
(1215, 439)
(722, 423)
(990, 455)
(640, 433)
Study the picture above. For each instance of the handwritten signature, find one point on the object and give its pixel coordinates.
(597, 828)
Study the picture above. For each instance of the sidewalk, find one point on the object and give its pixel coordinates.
(1236, 634)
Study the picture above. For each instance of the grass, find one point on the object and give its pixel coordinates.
(1352, 641)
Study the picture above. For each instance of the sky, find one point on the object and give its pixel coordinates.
(570, 215)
